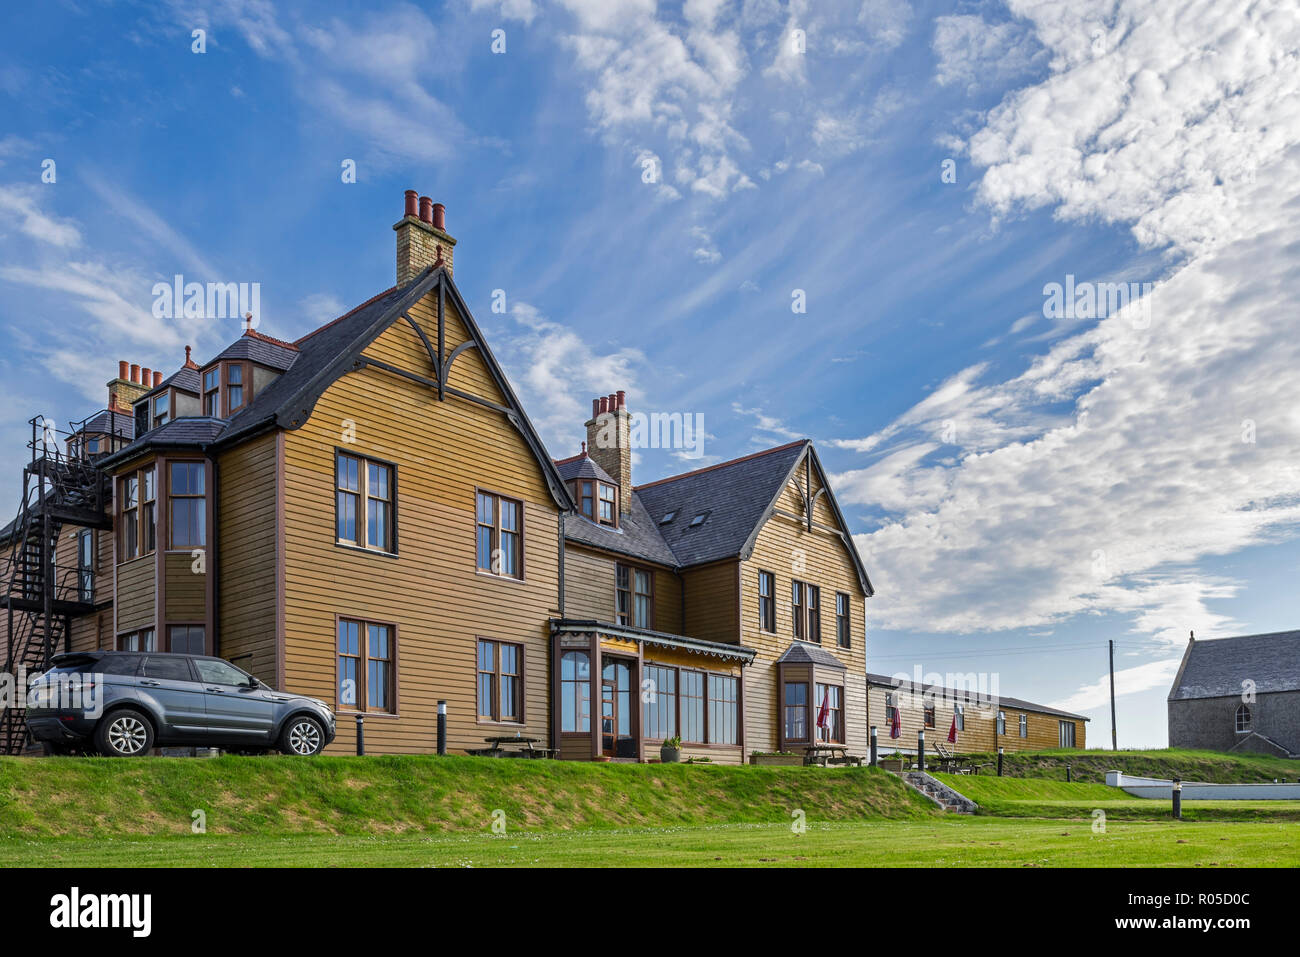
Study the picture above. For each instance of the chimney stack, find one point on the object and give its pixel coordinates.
(422, 238)
(609, 442)
(130, 384)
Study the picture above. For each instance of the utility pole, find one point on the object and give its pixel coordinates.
(1114, 739)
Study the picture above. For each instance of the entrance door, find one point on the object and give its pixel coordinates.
(608, 718)
(616, 728)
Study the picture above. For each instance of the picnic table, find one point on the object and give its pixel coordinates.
(824, 754)
(498, 744)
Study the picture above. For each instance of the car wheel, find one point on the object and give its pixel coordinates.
(124, 734)
(303, 736)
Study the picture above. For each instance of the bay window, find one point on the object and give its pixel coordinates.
(187, 509)
(795, 710)
(830, 698)
(137, 516)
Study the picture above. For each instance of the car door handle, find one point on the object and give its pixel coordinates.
(150, 684)
(217, 690)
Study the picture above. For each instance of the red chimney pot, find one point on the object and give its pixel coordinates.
(135, 373)
(426, 210)
(440, 216)
(157, 378)
(146, 375)
(122, 369)
(622, 399)
(595, 408)
(604, 404)
(411, 203)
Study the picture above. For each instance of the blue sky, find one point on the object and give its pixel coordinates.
(1022, 488)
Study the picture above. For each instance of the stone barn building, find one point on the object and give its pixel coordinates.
(1238, 694)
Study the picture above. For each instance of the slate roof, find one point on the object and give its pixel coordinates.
(736, 495)
(333, 350)
(315, 353)
(801, 652)
(262, 350)
(121, 424)
(582, 467)
(184, 378)
(1216, 667)
(636, 535)
(1019, 704)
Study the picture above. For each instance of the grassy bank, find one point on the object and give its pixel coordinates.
(935, 842)
(1212, 767)
(1048, 798)
(100, 797)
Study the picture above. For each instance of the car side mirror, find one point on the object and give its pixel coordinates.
(251, 682)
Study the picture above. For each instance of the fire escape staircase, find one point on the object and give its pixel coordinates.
(39, 594)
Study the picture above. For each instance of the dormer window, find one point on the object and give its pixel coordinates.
(234, 387)
(212, 392)
(597, 501)
(162, 409)
(225, 388)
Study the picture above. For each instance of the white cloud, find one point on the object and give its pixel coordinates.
(19, 205)
(557, 372)
(524, 11)
(1098, 479)
(973, 53)
(1153, 674)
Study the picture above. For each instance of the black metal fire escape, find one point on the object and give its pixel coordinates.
(39, 594)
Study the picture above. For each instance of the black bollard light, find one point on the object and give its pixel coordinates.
(1178, 799)
(874, 750)
(920, 750)
(1067, 774)
(999, 762)
(361, 735)
(442, 727)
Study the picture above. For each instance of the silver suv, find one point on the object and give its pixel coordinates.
(124, 703)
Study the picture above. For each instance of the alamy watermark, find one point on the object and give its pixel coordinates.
(214, 300)
(1097, 300)
(655, 430)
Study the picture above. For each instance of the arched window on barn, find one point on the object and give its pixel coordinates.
(1243, 719)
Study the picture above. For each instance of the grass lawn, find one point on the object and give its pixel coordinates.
(104, 797)
(1212, 767)
(946, 842)
(1046, 798)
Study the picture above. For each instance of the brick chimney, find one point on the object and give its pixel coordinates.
(422, 238)
(609, 443)
(131, 383)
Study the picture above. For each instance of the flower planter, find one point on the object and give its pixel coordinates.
(777, 760)
(669, 755)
